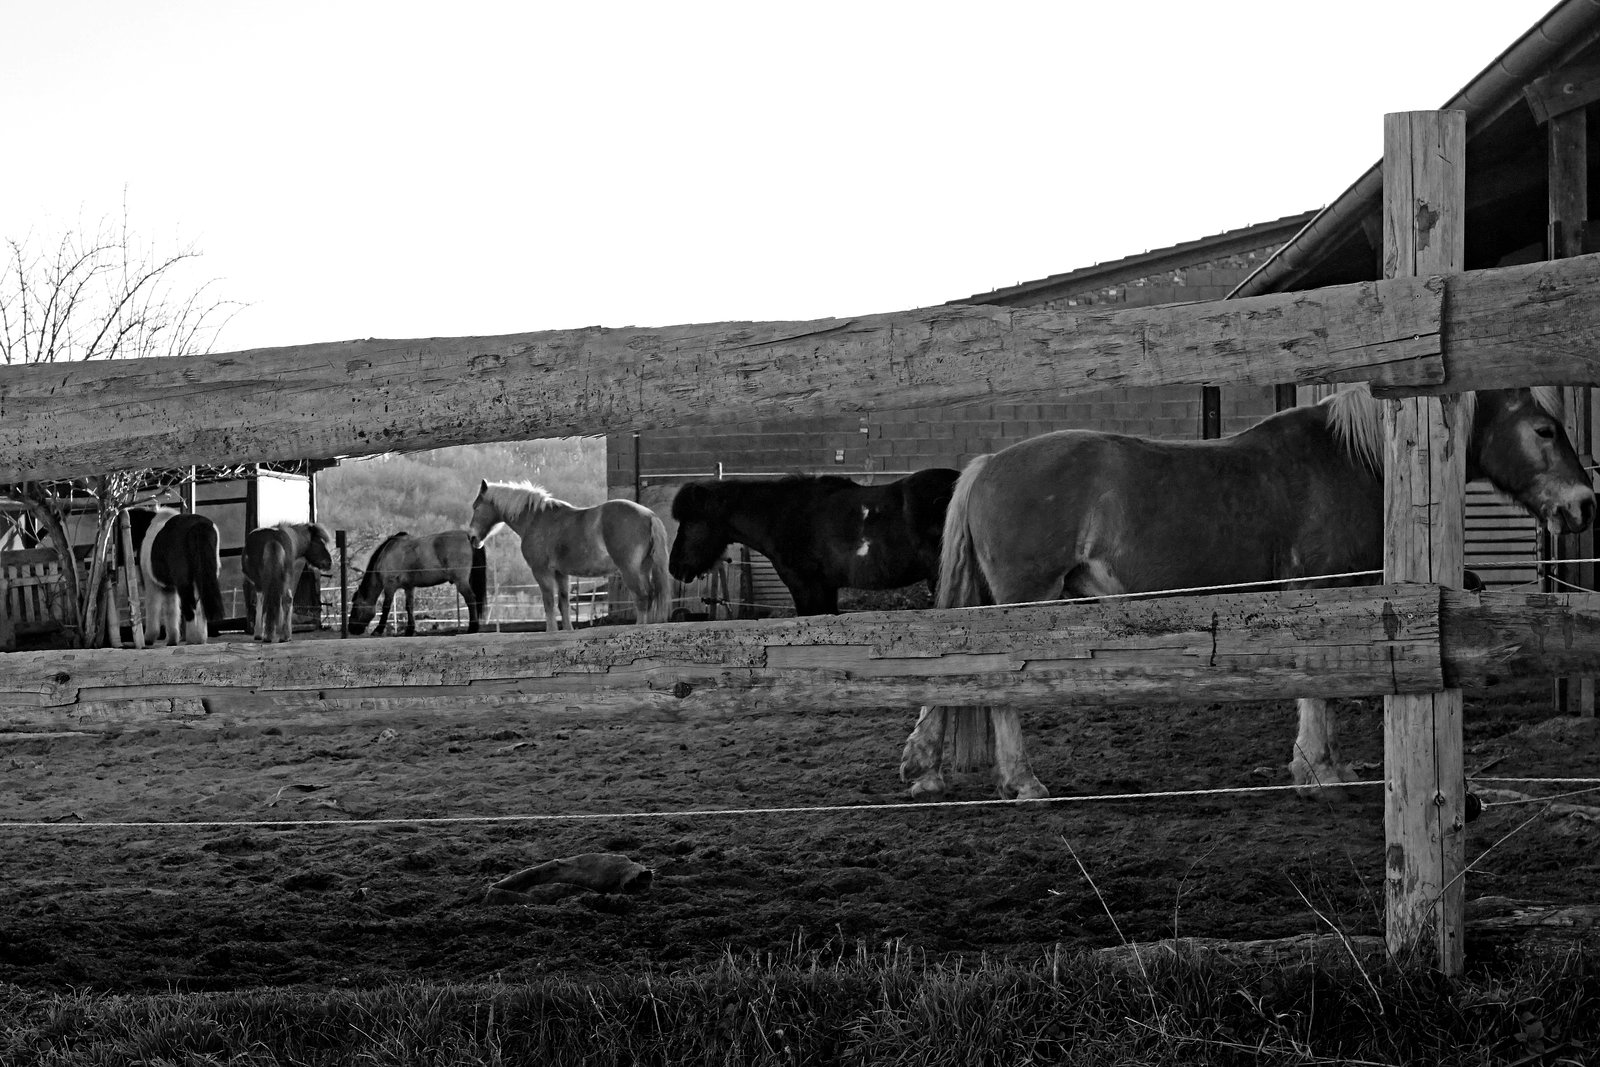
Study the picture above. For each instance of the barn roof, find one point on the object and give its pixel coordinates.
(1145, 264)
(1506, 182)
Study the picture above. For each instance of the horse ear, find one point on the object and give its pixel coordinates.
(483, 486)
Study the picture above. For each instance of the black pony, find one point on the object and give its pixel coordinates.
(821, 532)
(178, 559)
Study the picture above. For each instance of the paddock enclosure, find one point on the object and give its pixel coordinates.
(789, 713)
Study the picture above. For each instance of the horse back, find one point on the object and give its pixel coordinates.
(267, 552)
(1080, 512)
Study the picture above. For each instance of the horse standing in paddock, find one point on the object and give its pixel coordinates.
(560, 540)
(273, 559)
(179, 561)
(1079, 513)
(404, 562)
(821, 532)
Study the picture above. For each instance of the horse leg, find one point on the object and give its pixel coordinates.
(564, 592)
(285, 611)
(924, 751)
(258, 629)
(411, 614)
(1013, 777)
(383, 613)
(1317, 762)
(554, 606)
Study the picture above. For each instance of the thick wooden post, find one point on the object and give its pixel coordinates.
(1424, 209)
(8, 632)
(130, 576)
(1567, 138)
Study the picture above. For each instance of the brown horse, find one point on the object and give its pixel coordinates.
(560, 540)
(272, 562)
(404, 562)
(1084, 514)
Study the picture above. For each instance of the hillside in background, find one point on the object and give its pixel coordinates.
(426, 492)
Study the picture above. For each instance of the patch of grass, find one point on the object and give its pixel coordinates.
(851, 1004)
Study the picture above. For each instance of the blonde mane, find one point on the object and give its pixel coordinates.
(1354, 419)
(515, 500)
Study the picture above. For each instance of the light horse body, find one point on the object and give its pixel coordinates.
(560, 540)
(273, 559)
(1079, 513)
(820, 532)
(179, 561)
(403, 562)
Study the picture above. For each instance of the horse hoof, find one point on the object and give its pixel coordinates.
(1032, 789)
(931, 788)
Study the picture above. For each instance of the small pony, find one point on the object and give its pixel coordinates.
(404, 562)
(821, 532)
(179, 560)
(560, 540)
(1294, 498)
(272, 562)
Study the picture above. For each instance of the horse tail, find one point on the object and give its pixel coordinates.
(207, 562)
(961, 585)
(658, 582)
(478, 580)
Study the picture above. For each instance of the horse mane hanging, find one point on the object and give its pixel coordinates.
(1354, 419)
(377, 553)
(516, 499)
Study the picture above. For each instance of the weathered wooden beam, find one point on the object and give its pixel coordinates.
(1425, 445)
(364, 397)
(1534, 324)
(1497, 636)
(1241, 646)
(1562, 91)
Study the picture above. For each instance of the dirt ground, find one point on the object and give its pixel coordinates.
(213, 908)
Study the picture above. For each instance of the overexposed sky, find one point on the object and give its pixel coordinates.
(394, 169)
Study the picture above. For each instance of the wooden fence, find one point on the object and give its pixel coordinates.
(1411, 336)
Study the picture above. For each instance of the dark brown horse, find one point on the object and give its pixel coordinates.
(272, 562)
(821, 532)
(404, 562)
(1084, 514)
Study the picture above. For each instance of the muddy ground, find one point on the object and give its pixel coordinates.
(212, 908)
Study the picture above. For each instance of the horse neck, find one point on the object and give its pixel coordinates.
(531, 511)
(752, 509)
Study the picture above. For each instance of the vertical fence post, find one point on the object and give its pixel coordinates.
(1424, 210)
(1567, 164)
(131, 579)
(8, 632)
(344, 583)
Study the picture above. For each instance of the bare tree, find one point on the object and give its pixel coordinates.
(99, 295)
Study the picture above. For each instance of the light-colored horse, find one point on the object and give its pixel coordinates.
(560, 540)
(1079, 513)
(274, 557)
(403, 562)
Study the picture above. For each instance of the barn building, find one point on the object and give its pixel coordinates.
(1526, 120)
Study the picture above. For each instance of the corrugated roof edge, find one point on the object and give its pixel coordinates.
(1485, 98)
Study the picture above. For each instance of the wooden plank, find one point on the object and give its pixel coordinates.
(364, 397)
(1424, 212)
(1562, 92)
(1498, 635)
(1241, 646)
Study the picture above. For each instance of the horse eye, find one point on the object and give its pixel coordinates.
(1547, 432)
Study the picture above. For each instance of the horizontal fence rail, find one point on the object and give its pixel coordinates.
(364, 397)
(1239, 646)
